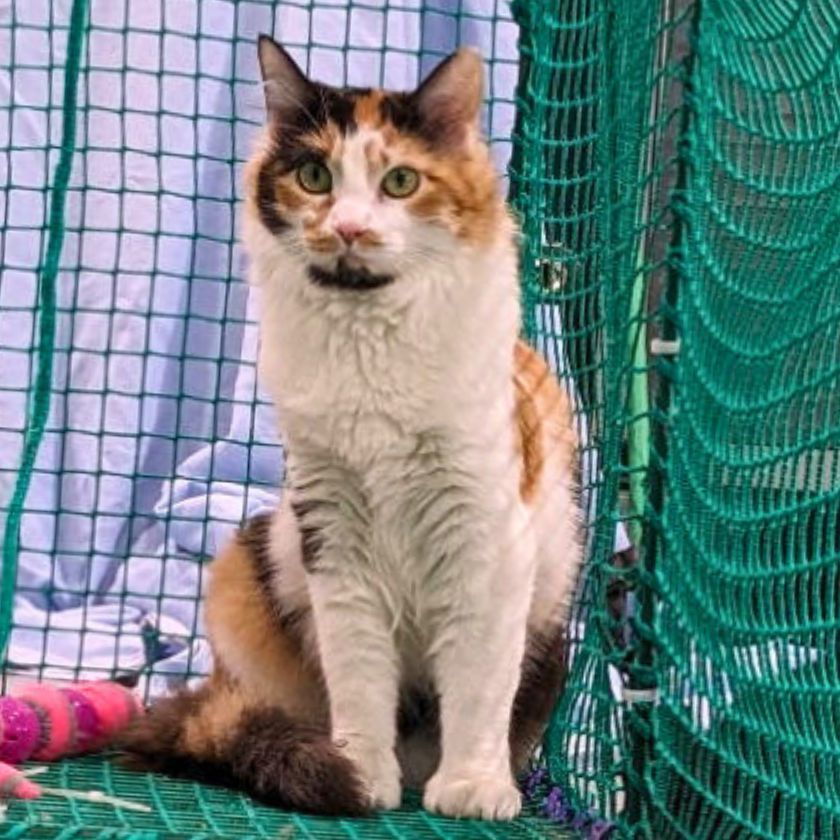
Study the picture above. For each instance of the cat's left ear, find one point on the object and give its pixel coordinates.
(449, 100)
(286, 87)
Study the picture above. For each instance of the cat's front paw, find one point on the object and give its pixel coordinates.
(385, 792)
(379, 772)
(481, 797)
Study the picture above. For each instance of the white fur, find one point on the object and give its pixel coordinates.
(397, 410)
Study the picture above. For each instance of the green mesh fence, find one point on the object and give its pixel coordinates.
(748, 625)
(675, 168)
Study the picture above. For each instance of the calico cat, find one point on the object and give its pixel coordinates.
(399, 620)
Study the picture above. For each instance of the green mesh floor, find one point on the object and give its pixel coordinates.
(186, 810)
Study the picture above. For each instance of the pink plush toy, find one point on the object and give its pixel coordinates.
(44, 723)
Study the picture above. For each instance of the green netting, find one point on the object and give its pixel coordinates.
(675, 168)
(187, 810)
(748, 562)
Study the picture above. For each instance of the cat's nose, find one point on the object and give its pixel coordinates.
(350, 231)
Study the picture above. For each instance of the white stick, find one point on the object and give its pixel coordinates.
(97, 797)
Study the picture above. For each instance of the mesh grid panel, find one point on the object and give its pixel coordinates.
(748, 629)
(187, 810)
(674, 166)
(154, 414)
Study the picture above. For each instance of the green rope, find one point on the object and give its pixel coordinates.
(40, 406)
(638, 404)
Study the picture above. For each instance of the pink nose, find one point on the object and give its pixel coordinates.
(350, 231)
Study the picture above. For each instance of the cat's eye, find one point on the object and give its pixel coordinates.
(401, 182)
(314, 177)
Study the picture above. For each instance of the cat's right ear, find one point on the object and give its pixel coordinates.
(286, 87)
(449, 100)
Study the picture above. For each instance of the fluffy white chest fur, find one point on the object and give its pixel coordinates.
(360, 374)
(401, 402)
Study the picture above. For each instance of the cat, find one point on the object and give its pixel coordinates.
(400, 619)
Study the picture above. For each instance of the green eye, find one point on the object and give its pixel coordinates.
(314, 177)
(401, 182)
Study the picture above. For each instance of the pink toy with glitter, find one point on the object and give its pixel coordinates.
(56, 717)
(46, 722)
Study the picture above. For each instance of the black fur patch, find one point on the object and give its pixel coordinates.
(542, 678)
(267, 755)
(284, 763)
(328, 104)
(255, 536)
(402, 111)
(267, 202)
(290, 145)
(311, 541)
(419, 710)
(347, 277)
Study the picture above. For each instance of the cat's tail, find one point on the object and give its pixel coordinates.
(210, 735)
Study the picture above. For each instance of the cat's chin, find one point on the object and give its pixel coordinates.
(348, 276)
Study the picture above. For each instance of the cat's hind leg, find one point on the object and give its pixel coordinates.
(259, 723)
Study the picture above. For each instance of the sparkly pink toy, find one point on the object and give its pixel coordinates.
(44, 723)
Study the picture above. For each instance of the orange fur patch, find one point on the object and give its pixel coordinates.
(265, 664)
(366, 110)
(543, 418)
(320, 240)
(207, 731)
(460, 190)
(288, 195)
(368, 239)
(313, 226)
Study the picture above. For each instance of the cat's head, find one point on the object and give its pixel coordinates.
(362, 185)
